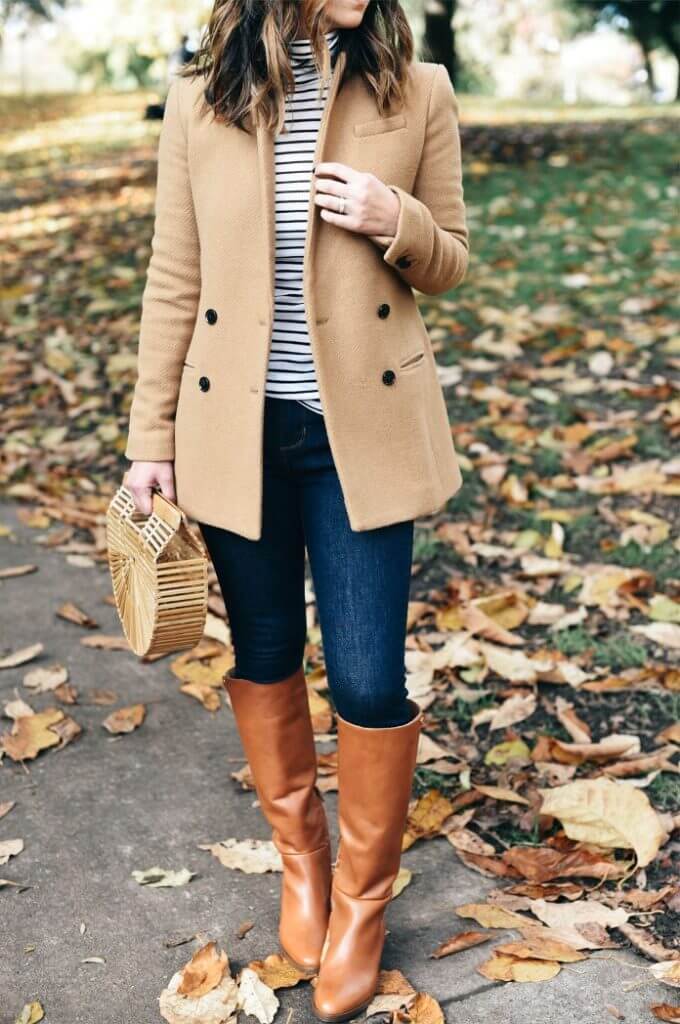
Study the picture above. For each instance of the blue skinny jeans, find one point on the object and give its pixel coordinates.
(361, 578)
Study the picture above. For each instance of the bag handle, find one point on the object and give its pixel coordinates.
(162, 507)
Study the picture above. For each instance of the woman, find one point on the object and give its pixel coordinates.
(309, 178)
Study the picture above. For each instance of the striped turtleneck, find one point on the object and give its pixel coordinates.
(290, 371)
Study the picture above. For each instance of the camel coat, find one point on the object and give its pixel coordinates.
(207, 307)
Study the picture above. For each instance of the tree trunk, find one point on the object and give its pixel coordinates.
(439, 44)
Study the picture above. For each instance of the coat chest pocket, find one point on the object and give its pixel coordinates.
(380, 126)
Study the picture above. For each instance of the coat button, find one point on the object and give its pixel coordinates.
(383, 310)
(403, 262)
(204, 383)
(389, 377)
(211, 316)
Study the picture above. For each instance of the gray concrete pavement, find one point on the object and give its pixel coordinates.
(100, 808)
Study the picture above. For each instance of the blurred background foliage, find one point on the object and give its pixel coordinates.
(572, 51)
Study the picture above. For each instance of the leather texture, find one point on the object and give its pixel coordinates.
(375, 773)
(207, 307)
(275, 727)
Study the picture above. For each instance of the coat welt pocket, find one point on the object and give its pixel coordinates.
(380, 126)
(415, 359)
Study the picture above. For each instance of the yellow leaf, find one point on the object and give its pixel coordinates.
(607, 813)
(503, 752)
(32, 733)
(276, 972)
(507, 968)
(491, 916)
(427, 817)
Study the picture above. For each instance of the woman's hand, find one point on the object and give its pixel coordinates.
(142, 477)
(370, 206)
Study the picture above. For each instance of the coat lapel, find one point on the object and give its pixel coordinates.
(266, 175)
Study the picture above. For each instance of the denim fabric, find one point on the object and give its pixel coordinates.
(361, 578)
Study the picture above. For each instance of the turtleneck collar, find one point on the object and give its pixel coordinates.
(301, 53)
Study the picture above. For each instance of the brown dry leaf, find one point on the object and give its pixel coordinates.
(544, 863)
(244, 928)
(537, 890)
(17, 570)
(71, 613)
(205, 693)
(198, 673)
(219, 1006)
(42, 680)
(668, 972)
(124, 720)
(606, 749)
(276, 972)
(501, 793)
(515, 709)
(666, 634)
(463, 940)
(490, 916)
(647, 944)
(255, 998)
(473, 618)
(204, 971)
(545, 949)
(102, 642)
(509, 968)
(570, 918)
(21, 656)
(575, 726)
(426, 817)
(671, 734)
(664, 1011)
(607, 813)
(425, 1010)
(32, 733)
(66, 729)
(6, 807)
(10, 848)
(253, 856)
(320, 712)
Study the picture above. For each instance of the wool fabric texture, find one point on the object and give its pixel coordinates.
(208, 304)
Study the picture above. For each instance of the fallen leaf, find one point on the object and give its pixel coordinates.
(10, 848)
(667, 972)
(509, 968)
(277, 972)
(255, 998)
(124, 720)
(253, 856)
(500, 793)
(490, 916)
(607, 813)
(71, 613)
(156, 878)
(31, 734)
(31, 1014)
(664, 1011)
(569, 918)
(21, 656)
(42, 680)
(463, 940)
(403, 878)
(426, 817)
(203, 972)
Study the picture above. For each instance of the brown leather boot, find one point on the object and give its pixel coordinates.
(275, 727)
(375, 772)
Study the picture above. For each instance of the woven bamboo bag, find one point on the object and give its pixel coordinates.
(159, 572)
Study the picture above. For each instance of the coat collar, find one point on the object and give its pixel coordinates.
(265, 169)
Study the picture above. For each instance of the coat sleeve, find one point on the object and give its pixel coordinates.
(170, 297)
(430, 247)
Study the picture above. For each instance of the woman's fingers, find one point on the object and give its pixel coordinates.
(143, 477)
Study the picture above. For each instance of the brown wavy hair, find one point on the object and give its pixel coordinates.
(243, 55)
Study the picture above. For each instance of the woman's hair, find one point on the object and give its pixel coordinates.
(244, 55)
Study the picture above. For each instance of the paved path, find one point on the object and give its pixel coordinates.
(100, 808)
